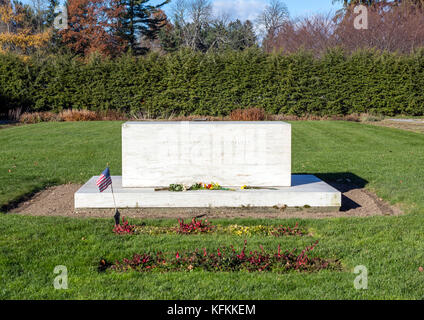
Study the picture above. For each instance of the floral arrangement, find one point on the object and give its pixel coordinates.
(177, 187)
(196, 186)
(224, 260)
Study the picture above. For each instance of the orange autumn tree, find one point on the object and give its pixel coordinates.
(93, 27)
(17, 34)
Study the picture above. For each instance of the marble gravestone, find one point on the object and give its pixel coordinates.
(156, 154)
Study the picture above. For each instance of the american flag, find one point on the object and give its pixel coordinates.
(104, 180)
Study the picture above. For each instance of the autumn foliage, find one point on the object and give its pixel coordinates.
(17, 35)
(93, 26)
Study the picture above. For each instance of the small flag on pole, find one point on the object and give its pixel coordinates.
(104, 180)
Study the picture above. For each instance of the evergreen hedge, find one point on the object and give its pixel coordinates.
(187, 82)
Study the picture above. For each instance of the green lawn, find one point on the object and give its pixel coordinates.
(388, 161)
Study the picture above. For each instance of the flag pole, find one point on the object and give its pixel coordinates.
(113, 195)
(117, 214)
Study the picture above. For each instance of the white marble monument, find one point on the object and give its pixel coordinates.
(244, 153)
(156, 154)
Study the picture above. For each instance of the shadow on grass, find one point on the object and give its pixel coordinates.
(347, 179)
(27, 196)
(344, 182)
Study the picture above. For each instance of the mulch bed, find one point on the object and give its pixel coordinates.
(59, 201)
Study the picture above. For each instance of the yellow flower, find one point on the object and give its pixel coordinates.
(243, 187)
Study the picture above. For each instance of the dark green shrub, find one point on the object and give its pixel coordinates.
(215, 84)
(14, 84)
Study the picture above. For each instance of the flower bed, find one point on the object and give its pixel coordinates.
(224, 260)
(124, 227)
(195, 226)
(204, 226)
(262, 230)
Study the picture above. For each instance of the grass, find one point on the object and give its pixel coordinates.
(388, 161)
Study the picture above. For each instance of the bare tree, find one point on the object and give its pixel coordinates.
(196, 26)
(190, 18)
(313, 33)
(274, 16)
(200, 13)
(179, 11)
(391, 28)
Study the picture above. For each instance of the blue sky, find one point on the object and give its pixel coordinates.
(305, 7)
(248, 9)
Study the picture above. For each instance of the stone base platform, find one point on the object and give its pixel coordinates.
(306, 190)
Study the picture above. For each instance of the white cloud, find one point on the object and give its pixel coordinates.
(239, 9)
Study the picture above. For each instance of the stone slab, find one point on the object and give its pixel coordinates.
(305, 190)
(160, 153)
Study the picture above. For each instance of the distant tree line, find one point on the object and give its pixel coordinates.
(128, 55)
(114, 27)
